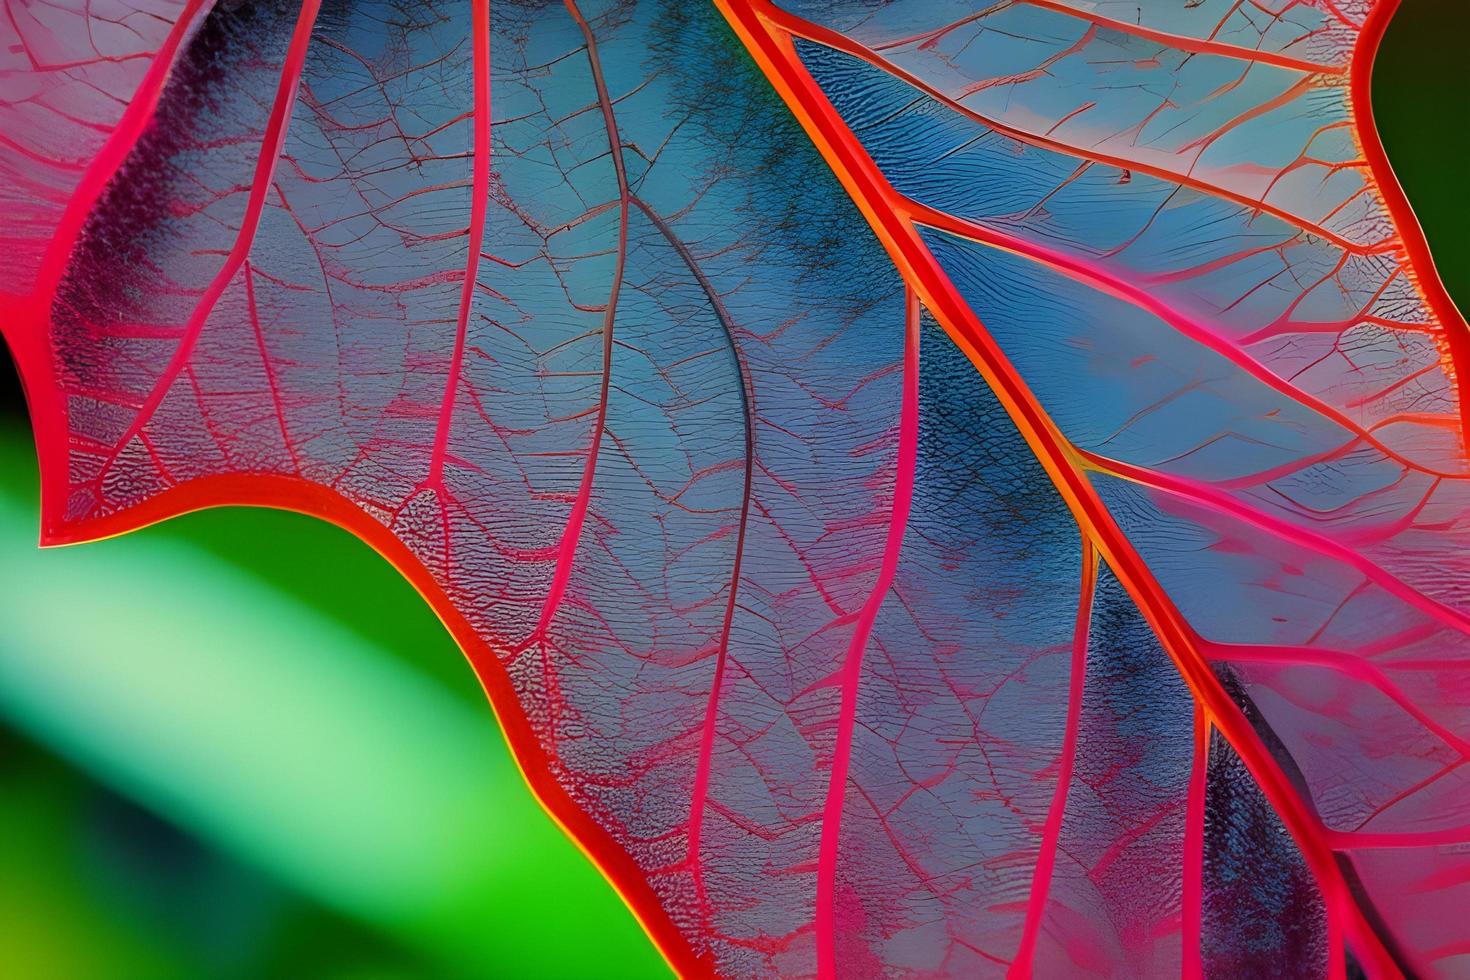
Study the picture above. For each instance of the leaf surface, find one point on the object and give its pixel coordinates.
(1134, 651)
(1167, 238)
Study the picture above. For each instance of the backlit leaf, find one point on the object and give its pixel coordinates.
(1063, 578)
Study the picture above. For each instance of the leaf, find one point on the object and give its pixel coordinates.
(782, 604)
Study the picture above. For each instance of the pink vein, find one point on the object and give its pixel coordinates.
(797, 27)
(1222, 503)
(1103, 280)
(1186, 43)
(1192, 911)
(851, 671)
(567, 550)
(115, 150)
(270, 371)
(480, 189)
(1363, 671)
(270, 150)
(1052, 830)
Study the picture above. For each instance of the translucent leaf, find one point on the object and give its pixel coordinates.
(1132, 652)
